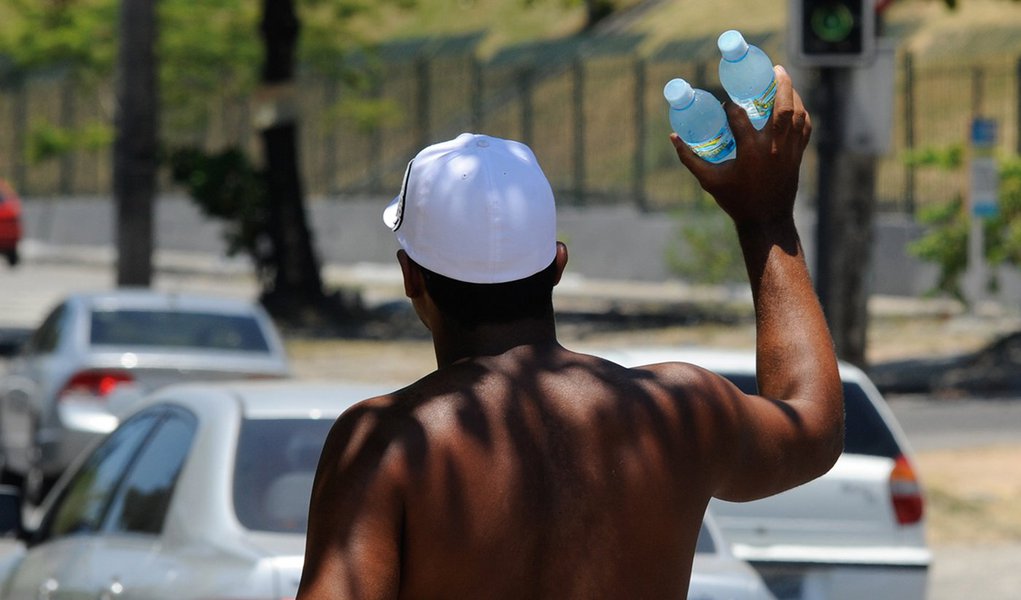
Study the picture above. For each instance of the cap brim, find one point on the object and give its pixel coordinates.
(391, 214)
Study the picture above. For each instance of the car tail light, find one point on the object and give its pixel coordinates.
(95, 382)
(905, 492)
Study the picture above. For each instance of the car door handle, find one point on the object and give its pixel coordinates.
(47, 589)
(113, 591)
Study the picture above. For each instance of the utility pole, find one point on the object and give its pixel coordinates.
(836, 40)
(135, 144)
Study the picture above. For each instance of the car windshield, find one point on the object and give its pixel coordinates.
(273, 472)
(865, 431)
(176, 330)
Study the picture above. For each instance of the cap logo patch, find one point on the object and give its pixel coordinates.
(399, 217)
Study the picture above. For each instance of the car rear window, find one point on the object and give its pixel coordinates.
(276, 462)
(176, 330)
(865, 430)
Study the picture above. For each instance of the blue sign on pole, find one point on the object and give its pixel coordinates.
(985, 180)
(983, 132)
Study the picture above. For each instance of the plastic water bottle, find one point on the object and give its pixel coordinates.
(747, 75)
(696, 116)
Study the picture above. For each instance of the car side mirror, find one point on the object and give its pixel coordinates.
(11, 524)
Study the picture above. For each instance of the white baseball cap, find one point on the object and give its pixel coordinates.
(476, 209)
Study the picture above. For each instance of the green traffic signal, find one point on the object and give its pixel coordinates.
(832, 33)
(833, 22)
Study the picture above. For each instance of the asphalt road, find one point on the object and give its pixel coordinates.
(949, 423)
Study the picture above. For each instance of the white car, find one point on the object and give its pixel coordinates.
(203, 493)
(95, 349)
(856, 532)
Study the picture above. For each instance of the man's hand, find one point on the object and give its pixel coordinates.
(760, 184)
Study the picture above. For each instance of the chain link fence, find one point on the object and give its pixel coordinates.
(591, 108)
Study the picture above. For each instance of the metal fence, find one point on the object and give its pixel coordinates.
(591, 109)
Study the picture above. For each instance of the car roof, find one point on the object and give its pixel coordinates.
(283, 399)
(723, 360)
(146, 299)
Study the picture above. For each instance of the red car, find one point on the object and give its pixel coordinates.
(10, 222)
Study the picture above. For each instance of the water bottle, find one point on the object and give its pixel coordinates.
(696, 116)
(747, 75)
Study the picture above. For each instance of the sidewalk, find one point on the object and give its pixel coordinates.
(380, 283)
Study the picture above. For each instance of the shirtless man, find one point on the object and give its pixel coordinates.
(522, 470)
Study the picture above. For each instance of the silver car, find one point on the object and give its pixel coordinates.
(203, 493)
(856, 532)
(96, 352)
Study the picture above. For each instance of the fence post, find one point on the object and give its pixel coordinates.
(19, 139)
(424, 93)
(476, 92)
(909, 131)
(67, 122)
(578, 88)
(328, 166)
(638, 176)
(376, 140)
(527, 110)
(1017, 114)
(977, 91)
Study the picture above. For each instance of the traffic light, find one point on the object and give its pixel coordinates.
(832, 33)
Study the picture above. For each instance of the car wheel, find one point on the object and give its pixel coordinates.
(13, 257)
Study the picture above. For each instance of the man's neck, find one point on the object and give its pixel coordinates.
(453, 343)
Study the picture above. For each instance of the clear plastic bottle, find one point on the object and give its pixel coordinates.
(698, 118)
(747, 75)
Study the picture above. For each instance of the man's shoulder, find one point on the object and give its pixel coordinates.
(666, 371)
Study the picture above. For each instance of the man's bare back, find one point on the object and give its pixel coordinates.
(520, 469)
(548, 475)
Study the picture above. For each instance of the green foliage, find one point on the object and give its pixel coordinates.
(707, 250)
(228, 187)
(949, 158)
(207, 49)
(1004, 230)
(72, 35)
(946, 242)
(47, 141)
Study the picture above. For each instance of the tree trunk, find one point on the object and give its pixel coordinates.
(844, 230)
(135, 146)
(297, 282)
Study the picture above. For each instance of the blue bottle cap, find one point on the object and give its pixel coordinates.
(732, 45)
(678, 93)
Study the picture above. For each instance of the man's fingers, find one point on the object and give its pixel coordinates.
(687, 156)
(783, 104)
(801, 121)
(740, 124)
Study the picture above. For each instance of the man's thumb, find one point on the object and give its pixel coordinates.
(687, 156)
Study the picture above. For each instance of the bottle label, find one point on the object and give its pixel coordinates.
(717, 147)
(760, 106)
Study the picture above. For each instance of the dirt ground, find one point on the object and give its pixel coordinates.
(972, 495)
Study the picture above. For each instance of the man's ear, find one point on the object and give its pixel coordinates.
(414, 284)
(561, 261)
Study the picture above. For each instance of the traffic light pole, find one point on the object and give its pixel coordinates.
(832, 86)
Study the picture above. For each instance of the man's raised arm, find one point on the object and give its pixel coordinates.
(794, 431)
